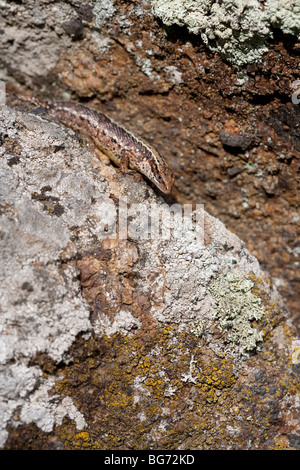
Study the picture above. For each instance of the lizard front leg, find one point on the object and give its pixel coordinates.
(124, 167)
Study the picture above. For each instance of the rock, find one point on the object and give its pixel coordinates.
(237, 141)
(116, 340)
(165, 84)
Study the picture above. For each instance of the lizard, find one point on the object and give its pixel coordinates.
(123, 148)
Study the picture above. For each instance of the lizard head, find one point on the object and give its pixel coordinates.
(164, 179)
(157, 171)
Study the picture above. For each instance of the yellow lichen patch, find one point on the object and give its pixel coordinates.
(167, 387)
(84, 436)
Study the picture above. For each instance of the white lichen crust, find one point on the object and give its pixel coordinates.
(237, 29)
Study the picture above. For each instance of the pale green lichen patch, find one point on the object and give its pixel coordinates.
(239, 30)
(285, 15)
(199, 328)
(236, 308)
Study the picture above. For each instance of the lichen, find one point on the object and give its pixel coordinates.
(142, 384)
(198, 328)
(284, 15)
(236, 308)
(103, 10)
(238, 29)
(161, 390)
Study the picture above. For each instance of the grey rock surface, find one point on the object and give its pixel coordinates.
(53, 195)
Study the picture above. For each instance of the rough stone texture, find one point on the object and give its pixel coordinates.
(129, 343)
(230, 135)
(129, 357)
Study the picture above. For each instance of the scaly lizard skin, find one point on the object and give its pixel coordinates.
(121, 146)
